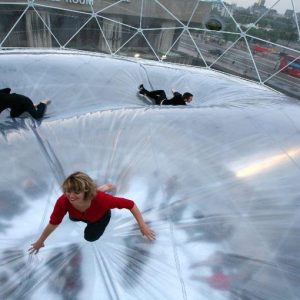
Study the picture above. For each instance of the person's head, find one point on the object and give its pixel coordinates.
(79, 186)
(187, 97)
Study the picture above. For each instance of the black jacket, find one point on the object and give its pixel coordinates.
(19, 104)
(176, 100)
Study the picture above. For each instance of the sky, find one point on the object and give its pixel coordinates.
(281, 6)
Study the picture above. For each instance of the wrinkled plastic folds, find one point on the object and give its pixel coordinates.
(217, 180)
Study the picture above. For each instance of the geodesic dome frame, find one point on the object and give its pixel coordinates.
(217, 181)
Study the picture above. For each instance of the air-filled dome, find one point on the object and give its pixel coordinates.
(215, 179)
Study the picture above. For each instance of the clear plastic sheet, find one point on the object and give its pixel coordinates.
(217, 180)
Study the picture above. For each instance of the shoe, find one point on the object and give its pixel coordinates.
(141, 87)
(5, 91)
(47, 102)
(142, 92)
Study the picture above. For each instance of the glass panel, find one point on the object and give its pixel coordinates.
(9, 15)
(90, 38)
(72, 5)
(266, 23)
(31, 31)
(214, 11)
(205, 11)
(63, 24)
(126, 12)
(111, 5)
(237, 60)
(211, 44)
(102, 35)
(281, 68)
(182, 10)
(184, 50)
(138, 47)
(160, 40)
(242, 4)
(116, 34)
(155, 15)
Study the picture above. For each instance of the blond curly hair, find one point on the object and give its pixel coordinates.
(79, 182)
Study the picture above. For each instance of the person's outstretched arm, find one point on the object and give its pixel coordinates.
(106, 187)
(40, 242)
(149, 233)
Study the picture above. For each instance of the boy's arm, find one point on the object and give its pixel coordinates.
(149, 233)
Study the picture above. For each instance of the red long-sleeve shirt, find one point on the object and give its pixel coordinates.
(100, 204)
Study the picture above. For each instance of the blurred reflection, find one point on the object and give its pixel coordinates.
(171, 187)
(138, 248)
(34, 187)
(3, 226)
(66, 264)
(124, 180)
(16, 277)
(268, 163)
(218, 279)
(11, 204)
(290, 264)
(170, 193)
(12, 124)
(213, 229)
(153, 190)
(177, 210)
(230, 272)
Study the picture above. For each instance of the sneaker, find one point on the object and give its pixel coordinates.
(141, 87)
(47, 102)
(5, 91)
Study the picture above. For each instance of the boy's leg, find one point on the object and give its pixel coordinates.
(14, 113)
(93, 231)
(157, 95)
(23, 104)
(38, 111)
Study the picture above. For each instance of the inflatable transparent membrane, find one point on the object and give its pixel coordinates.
(217, 180)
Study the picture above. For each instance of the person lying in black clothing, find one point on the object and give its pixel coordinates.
(19, 104)
(160, 98)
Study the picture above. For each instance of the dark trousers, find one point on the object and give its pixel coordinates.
(157, 96)
(21, 104)
(93, 231)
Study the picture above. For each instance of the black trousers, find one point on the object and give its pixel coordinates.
(157, 96)
(93, 231)
(21, 104)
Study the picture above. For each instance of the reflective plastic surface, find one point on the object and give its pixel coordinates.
(217, 180)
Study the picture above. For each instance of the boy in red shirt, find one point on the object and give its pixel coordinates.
(87, 203)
